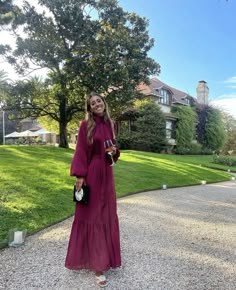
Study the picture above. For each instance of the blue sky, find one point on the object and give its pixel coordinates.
(194, 40)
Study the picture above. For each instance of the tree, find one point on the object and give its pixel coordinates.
(185, 128)
(6, 12)
(210, 127)
(4, 85)
(86, 45)
(230, 129)
(215, 133)
(150, 127)
(202, 112)
(3, 79)
(9, 125)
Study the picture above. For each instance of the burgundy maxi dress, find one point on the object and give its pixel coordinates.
(94, 240)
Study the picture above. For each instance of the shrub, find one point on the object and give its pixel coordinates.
(124, 141)
(194, 149)
(225, 159)
(150, 130)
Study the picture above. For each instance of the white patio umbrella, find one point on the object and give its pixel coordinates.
(43, 131)
(12, 135)
(27, 133)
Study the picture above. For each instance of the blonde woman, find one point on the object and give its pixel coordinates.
(94, 241)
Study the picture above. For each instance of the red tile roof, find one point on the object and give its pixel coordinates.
(177, 95)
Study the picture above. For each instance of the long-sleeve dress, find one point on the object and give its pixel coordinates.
(94, 240)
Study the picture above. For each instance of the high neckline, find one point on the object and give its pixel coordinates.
(99, 119)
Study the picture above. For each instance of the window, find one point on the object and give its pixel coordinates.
(170, 132)
(187, 101)
(165, 97)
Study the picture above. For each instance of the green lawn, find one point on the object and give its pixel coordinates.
(36, 189)
(204, 160)
(144, 170)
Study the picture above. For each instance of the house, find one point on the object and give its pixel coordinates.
(167, 96)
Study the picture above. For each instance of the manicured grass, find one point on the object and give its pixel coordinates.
(203, 160)
(139, 171)
(36, 189)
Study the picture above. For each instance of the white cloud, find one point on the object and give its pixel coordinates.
(226, 96)
(226, 103)
(230, 80)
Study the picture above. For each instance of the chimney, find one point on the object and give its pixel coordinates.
(202, 92)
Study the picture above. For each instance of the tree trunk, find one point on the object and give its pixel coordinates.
(63, 142)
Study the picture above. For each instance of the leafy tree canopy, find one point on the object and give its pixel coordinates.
(230, 129)
(6, 12)
(86, 45)
(4, 87)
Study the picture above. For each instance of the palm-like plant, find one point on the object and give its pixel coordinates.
(3, 77)
(4, 84)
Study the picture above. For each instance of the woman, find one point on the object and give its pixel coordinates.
(94, 241)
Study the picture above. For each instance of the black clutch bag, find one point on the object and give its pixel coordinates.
(81, 196)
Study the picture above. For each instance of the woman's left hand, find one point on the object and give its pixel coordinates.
(79, 182)
(111, 150)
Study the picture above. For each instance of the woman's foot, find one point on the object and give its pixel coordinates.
(101, 279)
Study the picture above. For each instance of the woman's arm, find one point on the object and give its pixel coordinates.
(79, 165)
(116, 151)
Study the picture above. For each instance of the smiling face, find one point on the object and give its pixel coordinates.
(97, 105)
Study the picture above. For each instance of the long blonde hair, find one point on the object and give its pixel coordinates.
(89, 117)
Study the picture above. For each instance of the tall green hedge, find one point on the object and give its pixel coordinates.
(215, 133)
(185, 128)
(150, 128)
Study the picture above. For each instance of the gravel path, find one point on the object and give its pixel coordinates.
(182, 238)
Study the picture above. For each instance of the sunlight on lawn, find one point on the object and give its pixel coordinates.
(35, 178)
(167, 165)
(19, 153)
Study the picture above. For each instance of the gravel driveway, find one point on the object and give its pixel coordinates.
(182, 238)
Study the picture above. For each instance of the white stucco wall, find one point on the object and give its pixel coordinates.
(164, 108)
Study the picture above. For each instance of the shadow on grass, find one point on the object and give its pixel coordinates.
(141, 173)
(36, 189)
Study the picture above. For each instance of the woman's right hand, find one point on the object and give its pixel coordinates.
(111, 150)
(79, 182)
